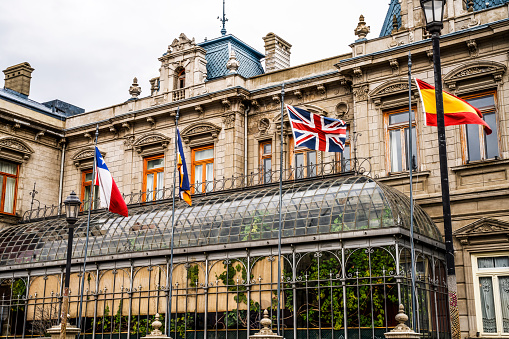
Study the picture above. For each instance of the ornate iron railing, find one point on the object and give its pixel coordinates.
(259, 178)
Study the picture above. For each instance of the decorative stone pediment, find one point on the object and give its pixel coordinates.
(394, 88)
(182, 43)
(480, 230)
(474, 70)
(14, 149)
(200, 133)
(84, 158)
(151, 143)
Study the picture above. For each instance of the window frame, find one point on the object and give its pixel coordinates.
(339, 157)
(201, 162)
(262, 157)
(152, 171)
(305, 151)
(401, 126)
(84, 185)
(4, 185)
(494, 273)
(482, 134)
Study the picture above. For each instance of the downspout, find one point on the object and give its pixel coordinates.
(60, 185)
(246, 111)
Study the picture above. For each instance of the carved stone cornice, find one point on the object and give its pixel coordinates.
(200, 132)
(84, 157)
(475, 69)
(15, 149)
(151, 143)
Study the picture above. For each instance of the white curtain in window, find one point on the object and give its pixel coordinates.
(8, 167)
(198, 175)
(150, 186)
(489, 322)
(10, 189)
(160, 185)
(504, 298)
(209, 177)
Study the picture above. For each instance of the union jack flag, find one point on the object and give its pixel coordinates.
(316, 132)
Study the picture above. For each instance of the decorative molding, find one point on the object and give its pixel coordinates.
(342, 110)
(264, 126)
(361, 93)
(255, 103)
(429, 54)
(481, 229)
(200, 132)
(128, 142)
(84, 157)
(390, 88)
(39, 135)
(151, 143)
(229, 120)
(475, 69)
(152, 122)
(15, 149)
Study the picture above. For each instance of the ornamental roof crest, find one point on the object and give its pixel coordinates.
(181, 43)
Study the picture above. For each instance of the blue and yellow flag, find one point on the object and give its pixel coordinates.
(184, 185)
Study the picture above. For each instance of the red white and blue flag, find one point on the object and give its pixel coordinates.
(315, 131)
(108, 190)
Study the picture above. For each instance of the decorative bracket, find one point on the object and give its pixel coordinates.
(88, 136)
(199, 109)
(126, 126)
(357, 71)
(39, 135)
(472, 48)
(276, 99)
(298, 94)
(321, 89)
(394, 64)
(152, 122)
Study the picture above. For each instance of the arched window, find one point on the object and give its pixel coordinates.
(181, 79)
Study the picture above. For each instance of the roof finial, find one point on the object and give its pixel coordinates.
(223, 21)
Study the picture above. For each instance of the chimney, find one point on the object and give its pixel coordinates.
(17, 78)
(277, 53)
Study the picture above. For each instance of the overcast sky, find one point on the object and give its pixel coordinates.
(87, 52)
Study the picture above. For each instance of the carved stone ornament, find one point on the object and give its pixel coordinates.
(14, 149)
(361, 93)
(394, 64)
(38, 135)
(128, 142)
(357, 71)
(266, 331)
(361, 30)
(390, 88)
(151, 143)
(475, 69)
(229, 120)
(276, 99)
(298, 94)
(264, 125)
(233, 64)
(152, 122)
(226, 103)
(88, 136)
(472, 47)
(429, 54)
(321, 89)
(401, 331)
(84, 157)
(200, 131)
(199, 109)
(255, 103)
(126, 126)
(135, 90)
(342, 110)
(181, 43)
(480, 230)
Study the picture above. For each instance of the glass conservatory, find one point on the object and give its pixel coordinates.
(345, 266)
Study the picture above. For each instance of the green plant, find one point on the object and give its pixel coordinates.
(192, 275)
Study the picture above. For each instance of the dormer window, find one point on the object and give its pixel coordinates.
(181, 79)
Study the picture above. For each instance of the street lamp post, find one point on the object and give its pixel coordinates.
(72, 207)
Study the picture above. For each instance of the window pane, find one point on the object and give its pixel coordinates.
(204, 154)
(345, 159)
(414, 147)
(156, 163)
(485, 262)
(501, 261)
(311, 164)
(150, 186)
(267, 148)
(491, 141)
(198, 174)
(299, 165)
(2, 178)
(88, 176)
(504, 299)
(395, 150)
(159, 185)
(489, 323)
(10, 188)
(267, 166)
(473, 146)
(482, 102)
(8, 167)
(86, 197)
(399, 118)
(209, 176)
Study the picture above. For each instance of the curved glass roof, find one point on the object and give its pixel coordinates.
(339, 204)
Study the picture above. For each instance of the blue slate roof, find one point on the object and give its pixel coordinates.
(218, 54)
(394, 9)
(483, 4)
(22, 100)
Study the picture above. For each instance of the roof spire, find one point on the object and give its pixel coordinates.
(223, 21)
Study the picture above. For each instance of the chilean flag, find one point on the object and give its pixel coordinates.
(110, 195)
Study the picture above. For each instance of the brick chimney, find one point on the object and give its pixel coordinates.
(17, 78)
(277, 53)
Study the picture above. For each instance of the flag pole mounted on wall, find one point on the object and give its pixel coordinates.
(281, 164)
(92, 198)
(170, 285)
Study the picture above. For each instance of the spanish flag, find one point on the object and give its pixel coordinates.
(456, 111)
(184, 185)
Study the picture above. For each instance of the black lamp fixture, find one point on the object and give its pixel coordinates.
(434, 14)
(72, 208)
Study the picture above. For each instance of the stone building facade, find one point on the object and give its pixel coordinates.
(229, 118)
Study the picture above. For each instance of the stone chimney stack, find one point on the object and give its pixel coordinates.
(277, 53)
(17, 78)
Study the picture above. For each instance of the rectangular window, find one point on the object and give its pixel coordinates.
(202, 173)
(397, 140)
(153, 178)
(266, 161)
(86, 185)
(491, 278)
(8, 187)
(477, 145)
(303, 161)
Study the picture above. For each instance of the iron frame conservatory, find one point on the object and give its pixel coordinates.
(345, 259)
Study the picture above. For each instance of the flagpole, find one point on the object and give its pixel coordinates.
(412, 255)
(281, 163)
(92, 197)
(168, 318)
